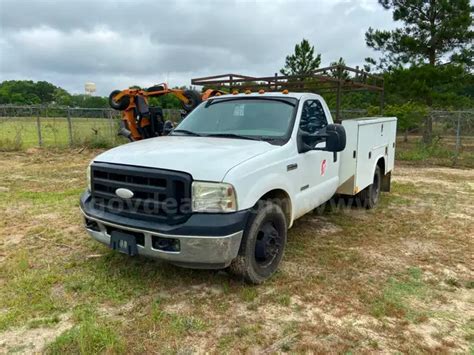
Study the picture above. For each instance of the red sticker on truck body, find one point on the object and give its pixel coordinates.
(323, 167)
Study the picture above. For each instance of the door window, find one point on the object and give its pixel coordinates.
(313, 118)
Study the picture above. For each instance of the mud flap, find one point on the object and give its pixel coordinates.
(386, 179)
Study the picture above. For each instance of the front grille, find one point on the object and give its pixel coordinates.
(158, 195)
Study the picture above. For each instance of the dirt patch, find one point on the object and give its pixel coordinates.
(445, 329)
(117, 312)
(182, 307)
(26, 340)
(320, 225)
(12, 240)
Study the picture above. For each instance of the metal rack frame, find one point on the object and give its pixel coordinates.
(333, 79)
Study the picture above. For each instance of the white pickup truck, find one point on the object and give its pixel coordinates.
(225, 186)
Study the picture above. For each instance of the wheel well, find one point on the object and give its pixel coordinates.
(386, 177)
(381, 165)
(281, 198)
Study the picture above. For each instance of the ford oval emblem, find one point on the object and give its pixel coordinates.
(124, 193)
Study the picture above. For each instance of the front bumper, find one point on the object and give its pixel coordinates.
(213, 245)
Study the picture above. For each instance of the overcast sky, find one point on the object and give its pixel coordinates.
(121, 43)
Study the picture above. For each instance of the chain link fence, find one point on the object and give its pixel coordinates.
(41, 126)
(452, 138)
(454, 129)
(23, 127)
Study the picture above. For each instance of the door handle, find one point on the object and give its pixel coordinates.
(291, 167)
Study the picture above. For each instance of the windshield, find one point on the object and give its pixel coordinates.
(254, 118)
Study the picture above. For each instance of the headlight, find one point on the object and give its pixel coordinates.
(213, 197)
(89, 184)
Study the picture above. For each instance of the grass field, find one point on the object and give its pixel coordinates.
(441, 152)
(22, 132)
(398, 278)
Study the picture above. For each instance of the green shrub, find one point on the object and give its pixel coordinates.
(410, 115)
(11, 144)
(424, 151)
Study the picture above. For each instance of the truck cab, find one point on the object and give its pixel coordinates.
(225, 186)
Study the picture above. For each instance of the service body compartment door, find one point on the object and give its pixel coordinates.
(348, 158)
(369, 139)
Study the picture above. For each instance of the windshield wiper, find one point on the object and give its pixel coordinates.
(232, 135)
(189, 133)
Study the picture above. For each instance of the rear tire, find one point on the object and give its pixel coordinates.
(118, 105)
(369, 197)
(194, 100)
(263, 244)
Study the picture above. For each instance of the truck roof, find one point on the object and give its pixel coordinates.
(296, 95)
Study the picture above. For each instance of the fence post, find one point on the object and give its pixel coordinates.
(38, 128)
(458, 134)
(112, 127)
(69, 127)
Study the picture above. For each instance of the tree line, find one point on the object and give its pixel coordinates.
(427, 63)
(27, 92)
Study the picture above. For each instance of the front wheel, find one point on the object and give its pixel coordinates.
(263, 244)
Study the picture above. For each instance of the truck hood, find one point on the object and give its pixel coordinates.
(205, 158)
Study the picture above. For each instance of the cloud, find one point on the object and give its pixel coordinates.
(117, 44)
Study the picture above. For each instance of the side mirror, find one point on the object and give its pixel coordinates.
(334, 135)
(336, 138)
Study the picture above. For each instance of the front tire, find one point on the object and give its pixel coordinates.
(263, 244)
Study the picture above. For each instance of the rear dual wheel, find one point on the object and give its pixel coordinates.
(370, 196)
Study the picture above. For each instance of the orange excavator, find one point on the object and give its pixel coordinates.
(140, 121)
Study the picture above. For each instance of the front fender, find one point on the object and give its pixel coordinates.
(254, 190)
(258, 176)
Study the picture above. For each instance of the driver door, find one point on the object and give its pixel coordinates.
(319, 172)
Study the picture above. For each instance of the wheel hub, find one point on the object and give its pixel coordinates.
(268, 244)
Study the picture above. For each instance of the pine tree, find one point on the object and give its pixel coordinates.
(303, 61)
(433, 31)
